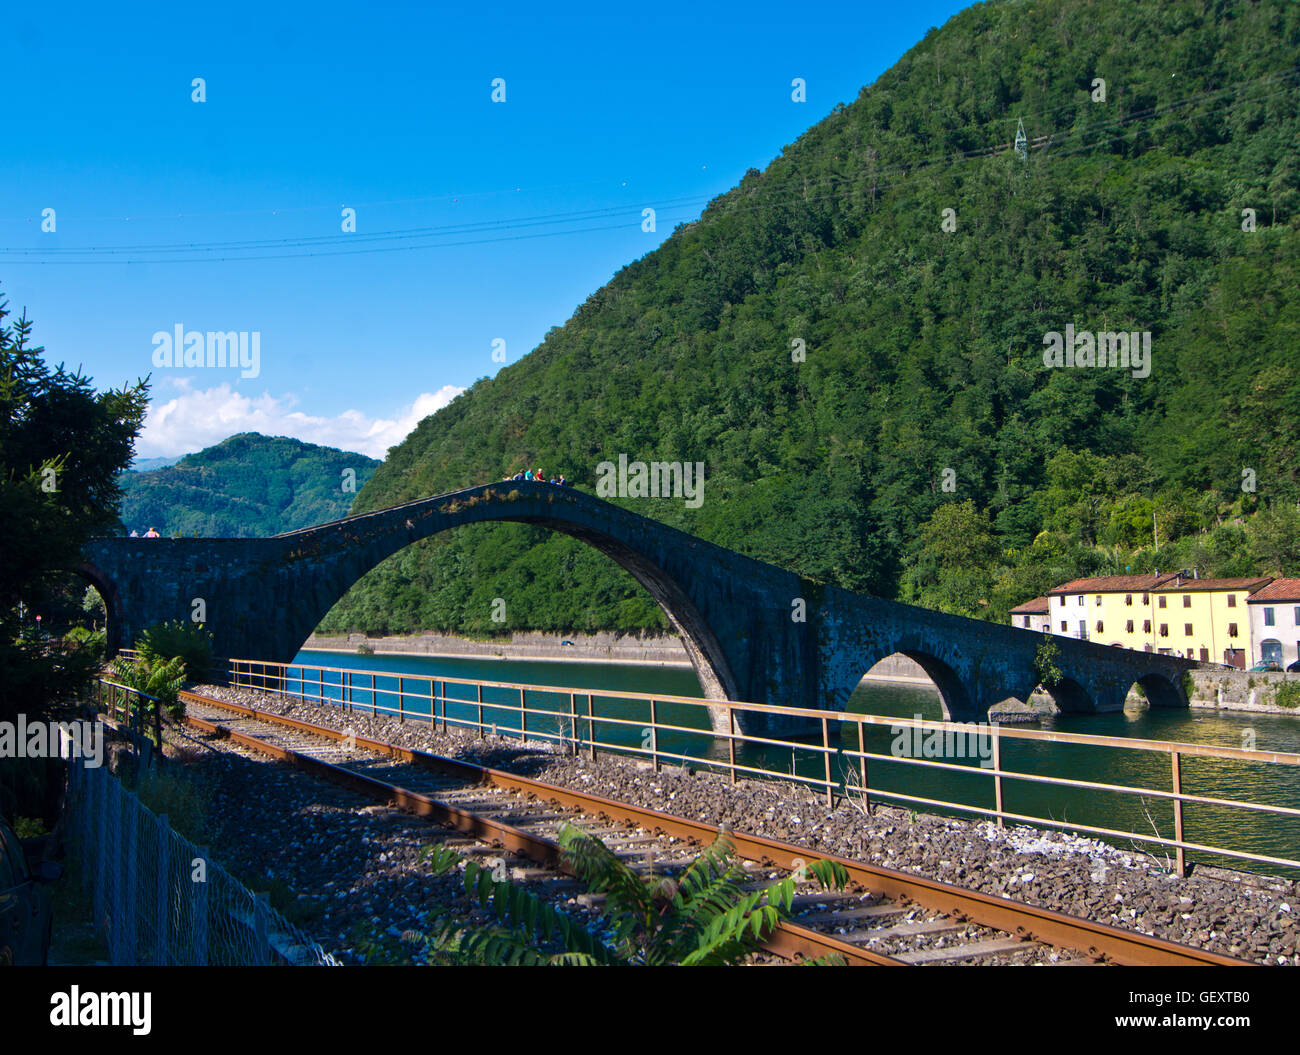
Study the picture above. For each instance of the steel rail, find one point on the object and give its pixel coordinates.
(787, 940)
(1098, 940)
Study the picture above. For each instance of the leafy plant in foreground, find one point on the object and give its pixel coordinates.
(703, 917)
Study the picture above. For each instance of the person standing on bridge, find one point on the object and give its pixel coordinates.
(151, 533)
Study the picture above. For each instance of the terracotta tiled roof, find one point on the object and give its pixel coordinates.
(1038, 606)
(1112, 584)
(1277, 590)
(1179, 585)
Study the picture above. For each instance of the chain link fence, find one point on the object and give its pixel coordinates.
(159, 899)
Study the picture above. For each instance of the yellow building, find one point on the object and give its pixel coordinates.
(1203, 619)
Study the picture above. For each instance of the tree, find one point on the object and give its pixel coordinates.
(62, 445)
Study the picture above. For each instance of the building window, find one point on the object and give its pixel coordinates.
(1128, 599)
(1099, 598)
(1164, 629)
(1062, 599)
(1162, 601)
(1205, 655)
(1232, 629)
(1187, 629)
(1063, 627)
(1080, 600)
(1026, 622)
(1187, 600)
(1146, 598)
(1232, 600)
(1100, 628)
(1146, 626)
(1295, 618)
(1268, 617)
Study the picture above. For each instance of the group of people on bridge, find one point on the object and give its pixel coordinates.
(536, 474)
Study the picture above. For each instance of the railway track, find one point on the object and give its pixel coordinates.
(884, 917)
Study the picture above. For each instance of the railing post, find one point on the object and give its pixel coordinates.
(826, 755)
(862, 769)
(1176, 761)
(401, 699)
(731, 742)
(654, 736)
(591, 729)
(997, 771)
(162, 893)
(573, 724)
(347, 697)
(480, 710)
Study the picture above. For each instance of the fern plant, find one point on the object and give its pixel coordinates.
(704, 917)
(158, 677)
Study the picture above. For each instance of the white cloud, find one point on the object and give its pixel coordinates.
(199, 418)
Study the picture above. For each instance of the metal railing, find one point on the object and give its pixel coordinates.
(131, 708)
(837, 770)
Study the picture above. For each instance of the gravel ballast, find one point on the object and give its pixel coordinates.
(1238, 914)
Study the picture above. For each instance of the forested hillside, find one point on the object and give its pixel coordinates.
(919, 448)
(247, 486)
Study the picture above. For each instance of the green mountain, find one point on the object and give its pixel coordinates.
(852, 341)
(246, 486)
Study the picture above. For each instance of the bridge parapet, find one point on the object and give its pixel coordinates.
(755, 633)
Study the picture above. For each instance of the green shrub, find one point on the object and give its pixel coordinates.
(191, 643)
(1287, 694)
(91, 641)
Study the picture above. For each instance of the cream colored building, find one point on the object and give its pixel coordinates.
(1033, 615)
(1204, 619)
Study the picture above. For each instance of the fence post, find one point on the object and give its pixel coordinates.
(997, 771)
(1176, 760)
(200, 943)
(480, 710)
(523, 717)
(261, 935)
(591, 729)
(130, 895)
(101, 847)
(401, 698)
(114, 868)
(85, 789)
(162, 892)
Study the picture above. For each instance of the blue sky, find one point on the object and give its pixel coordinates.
(198, 213)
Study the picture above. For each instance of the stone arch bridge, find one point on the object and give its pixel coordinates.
(738, 617)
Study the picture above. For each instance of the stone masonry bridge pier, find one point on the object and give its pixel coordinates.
(738, 617)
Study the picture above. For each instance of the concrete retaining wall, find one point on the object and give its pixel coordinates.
(1238, 690)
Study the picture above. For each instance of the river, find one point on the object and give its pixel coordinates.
(1211, 825)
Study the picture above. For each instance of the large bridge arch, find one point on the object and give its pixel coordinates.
(756, 633)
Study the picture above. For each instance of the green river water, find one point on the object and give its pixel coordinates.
(603, 680)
